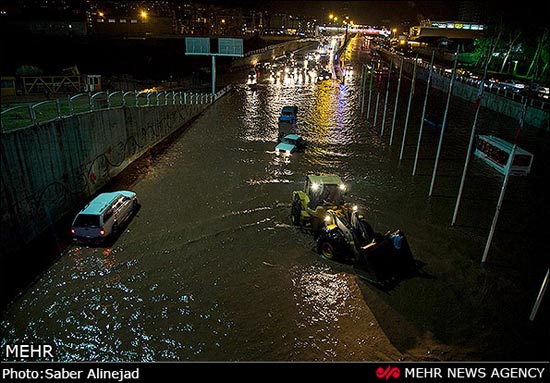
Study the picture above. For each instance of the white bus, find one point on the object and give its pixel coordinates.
(495, 151)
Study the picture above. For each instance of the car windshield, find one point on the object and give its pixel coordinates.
(87, 220)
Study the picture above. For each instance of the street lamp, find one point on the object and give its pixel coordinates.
(143, 14)
(515, 66)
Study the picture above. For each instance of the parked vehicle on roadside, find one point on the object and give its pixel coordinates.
(104, 215)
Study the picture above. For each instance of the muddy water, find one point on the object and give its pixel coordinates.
(211, 269)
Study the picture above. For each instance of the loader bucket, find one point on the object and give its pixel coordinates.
(386, 259)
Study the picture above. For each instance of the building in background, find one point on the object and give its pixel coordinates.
(474, 11)
(444, 36)
(53, 17)
(146, 18)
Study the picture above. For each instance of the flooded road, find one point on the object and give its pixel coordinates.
(211, 268)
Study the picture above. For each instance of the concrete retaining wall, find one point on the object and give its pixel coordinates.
(52, 169)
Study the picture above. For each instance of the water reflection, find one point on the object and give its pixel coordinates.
(321, 295)
(212, 270)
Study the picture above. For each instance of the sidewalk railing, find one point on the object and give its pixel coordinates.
(31, 114)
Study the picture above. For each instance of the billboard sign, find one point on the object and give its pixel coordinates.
(197, 46)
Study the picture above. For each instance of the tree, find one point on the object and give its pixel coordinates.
(539, 58)
(483, 51)
(513, 36)
(28, 70)
(545, 57)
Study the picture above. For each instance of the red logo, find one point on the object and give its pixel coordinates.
(389, 372)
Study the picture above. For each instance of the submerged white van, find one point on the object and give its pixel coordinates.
(104, 215)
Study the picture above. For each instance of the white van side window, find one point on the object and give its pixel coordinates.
(107, 215)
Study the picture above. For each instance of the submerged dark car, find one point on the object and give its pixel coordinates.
(290, 144)
(289, 114)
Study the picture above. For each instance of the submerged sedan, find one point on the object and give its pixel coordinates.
(290, 144)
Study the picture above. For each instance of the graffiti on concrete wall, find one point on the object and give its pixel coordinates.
(34, 208)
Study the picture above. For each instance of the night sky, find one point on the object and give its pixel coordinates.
(527, 13)
(362, 12)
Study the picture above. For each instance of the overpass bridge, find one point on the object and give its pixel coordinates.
(362, 29)
(430, 31)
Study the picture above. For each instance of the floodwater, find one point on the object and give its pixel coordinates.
(211, 268)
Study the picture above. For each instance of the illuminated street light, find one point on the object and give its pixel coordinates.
(223, 21)
(331, 16)
(143, 14)
(101, 14)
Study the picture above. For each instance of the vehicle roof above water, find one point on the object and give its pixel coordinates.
(327, 179)
(293, 137)
(291, 108)
(283, 146)
(103, 200)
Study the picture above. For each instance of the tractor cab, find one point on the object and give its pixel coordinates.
(321, 193)
(324, 190)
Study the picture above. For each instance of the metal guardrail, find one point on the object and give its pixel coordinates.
(111, 95)
(514, 96)
(128, 93)
(71, 101)
(93, 98)
(34, 108)
(26, 115)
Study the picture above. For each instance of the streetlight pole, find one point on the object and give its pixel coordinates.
(471, 142)
(428, 82)
(411, 94)
(386, 100)
(396, 100)
(444, 123)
